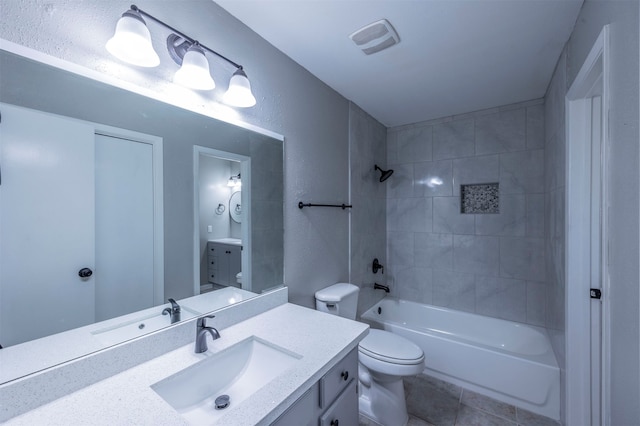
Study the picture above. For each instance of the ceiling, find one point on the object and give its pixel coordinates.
(454, 56)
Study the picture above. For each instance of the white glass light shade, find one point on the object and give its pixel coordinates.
(194, 72)
(131, 41)
(239, 93)
(235, 181)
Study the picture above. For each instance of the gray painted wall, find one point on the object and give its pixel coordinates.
(623, 188)
(312, 117)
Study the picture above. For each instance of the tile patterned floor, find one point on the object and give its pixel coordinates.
(432, 402)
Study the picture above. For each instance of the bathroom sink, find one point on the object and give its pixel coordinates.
(138, 324)
(236, 372)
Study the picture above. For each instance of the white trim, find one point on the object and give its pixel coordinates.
(35, 55)
(577, 253)
(245, 170)
(156, 143)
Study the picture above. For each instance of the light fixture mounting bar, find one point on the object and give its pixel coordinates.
(184, 36)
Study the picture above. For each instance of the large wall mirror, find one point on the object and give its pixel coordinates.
(134, 192)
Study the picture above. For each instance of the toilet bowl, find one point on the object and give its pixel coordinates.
(384, 359)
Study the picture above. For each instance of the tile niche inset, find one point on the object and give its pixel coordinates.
(480, 198)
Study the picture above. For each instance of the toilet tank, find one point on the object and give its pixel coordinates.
(339, 299)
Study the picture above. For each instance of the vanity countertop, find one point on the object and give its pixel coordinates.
(127, 398)
(230, 241)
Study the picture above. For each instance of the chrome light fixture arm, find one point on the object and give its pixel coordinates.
(184, 36)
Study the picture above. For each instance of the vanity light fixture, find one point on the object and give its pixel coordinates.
(235, 181)
(194, 72)
(131, 43)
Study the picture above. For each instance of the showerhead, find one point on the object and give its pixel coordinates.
(385, 173)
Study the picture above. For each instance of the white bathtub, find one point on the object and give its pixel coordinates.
(508, 361)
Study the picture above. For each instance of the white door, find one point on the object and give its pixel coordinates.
(124, 226)
(596, 258)
(47, 187)
(586, 301)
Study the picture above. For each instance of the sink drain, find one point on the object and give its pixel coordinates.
(222, 402)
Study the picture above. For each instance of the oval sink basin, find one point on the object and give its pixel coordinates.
(236, 372)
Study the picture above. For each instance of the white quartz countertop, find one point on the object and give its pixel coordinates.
(127, 398)
(230, 241)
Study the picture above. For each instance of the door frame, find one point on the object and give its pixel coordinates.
(578, 230)
(156, 143)
(245, 171)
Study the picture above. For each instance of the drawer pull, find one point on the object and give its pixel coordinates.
(335, 422)
(344, 375)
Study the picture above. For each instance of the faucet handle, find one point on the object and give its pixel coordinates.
(202, 321)
(174, 305)
(377, 266)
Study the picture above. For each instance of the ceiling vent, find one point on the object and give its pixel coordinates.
(375, 37)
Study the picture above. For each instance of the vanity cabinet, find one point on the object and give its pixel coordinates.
(332, 401)
(224, 262)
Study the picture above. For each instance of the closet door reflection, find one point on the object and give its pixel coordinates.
(124, 227)
(46, 224)
(76, 225)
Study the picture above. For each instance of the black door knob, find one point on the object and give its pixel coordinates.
(85, 273)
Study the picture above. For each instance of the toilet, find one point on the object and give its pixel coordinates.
(384, 359)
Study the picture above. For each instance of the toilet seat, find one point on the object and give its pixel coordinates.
(387, 347)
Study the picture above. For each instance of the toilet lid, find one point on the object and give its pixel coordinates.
(389, 347)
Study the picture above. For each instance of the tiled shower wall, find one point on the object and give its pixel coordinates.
(490, 264)
(368, 239)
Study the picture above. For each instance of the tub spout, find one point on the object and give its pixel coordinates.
(377, 286)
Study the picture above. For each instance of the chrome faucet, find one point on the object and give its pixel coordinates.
(173, 311)
(201, 334)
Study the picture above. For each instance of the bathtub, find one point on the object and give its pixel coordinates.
(507, 361)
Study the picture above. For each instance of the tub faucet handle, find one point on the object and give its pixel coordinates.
(377, 266)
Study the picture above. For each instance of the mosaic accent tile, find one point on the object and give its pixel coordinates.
(480, 198)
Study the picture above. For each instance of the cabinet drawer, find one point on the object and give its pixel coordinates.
(212, 276)
(212, 261)
(344, 411)
(212, 249)
(338, 378)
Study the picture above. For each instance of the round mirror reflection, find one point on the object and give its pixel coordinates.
(235, 207)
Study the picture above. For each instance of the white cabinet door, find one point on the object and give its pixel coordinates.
(344, 411)
(47, 187)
